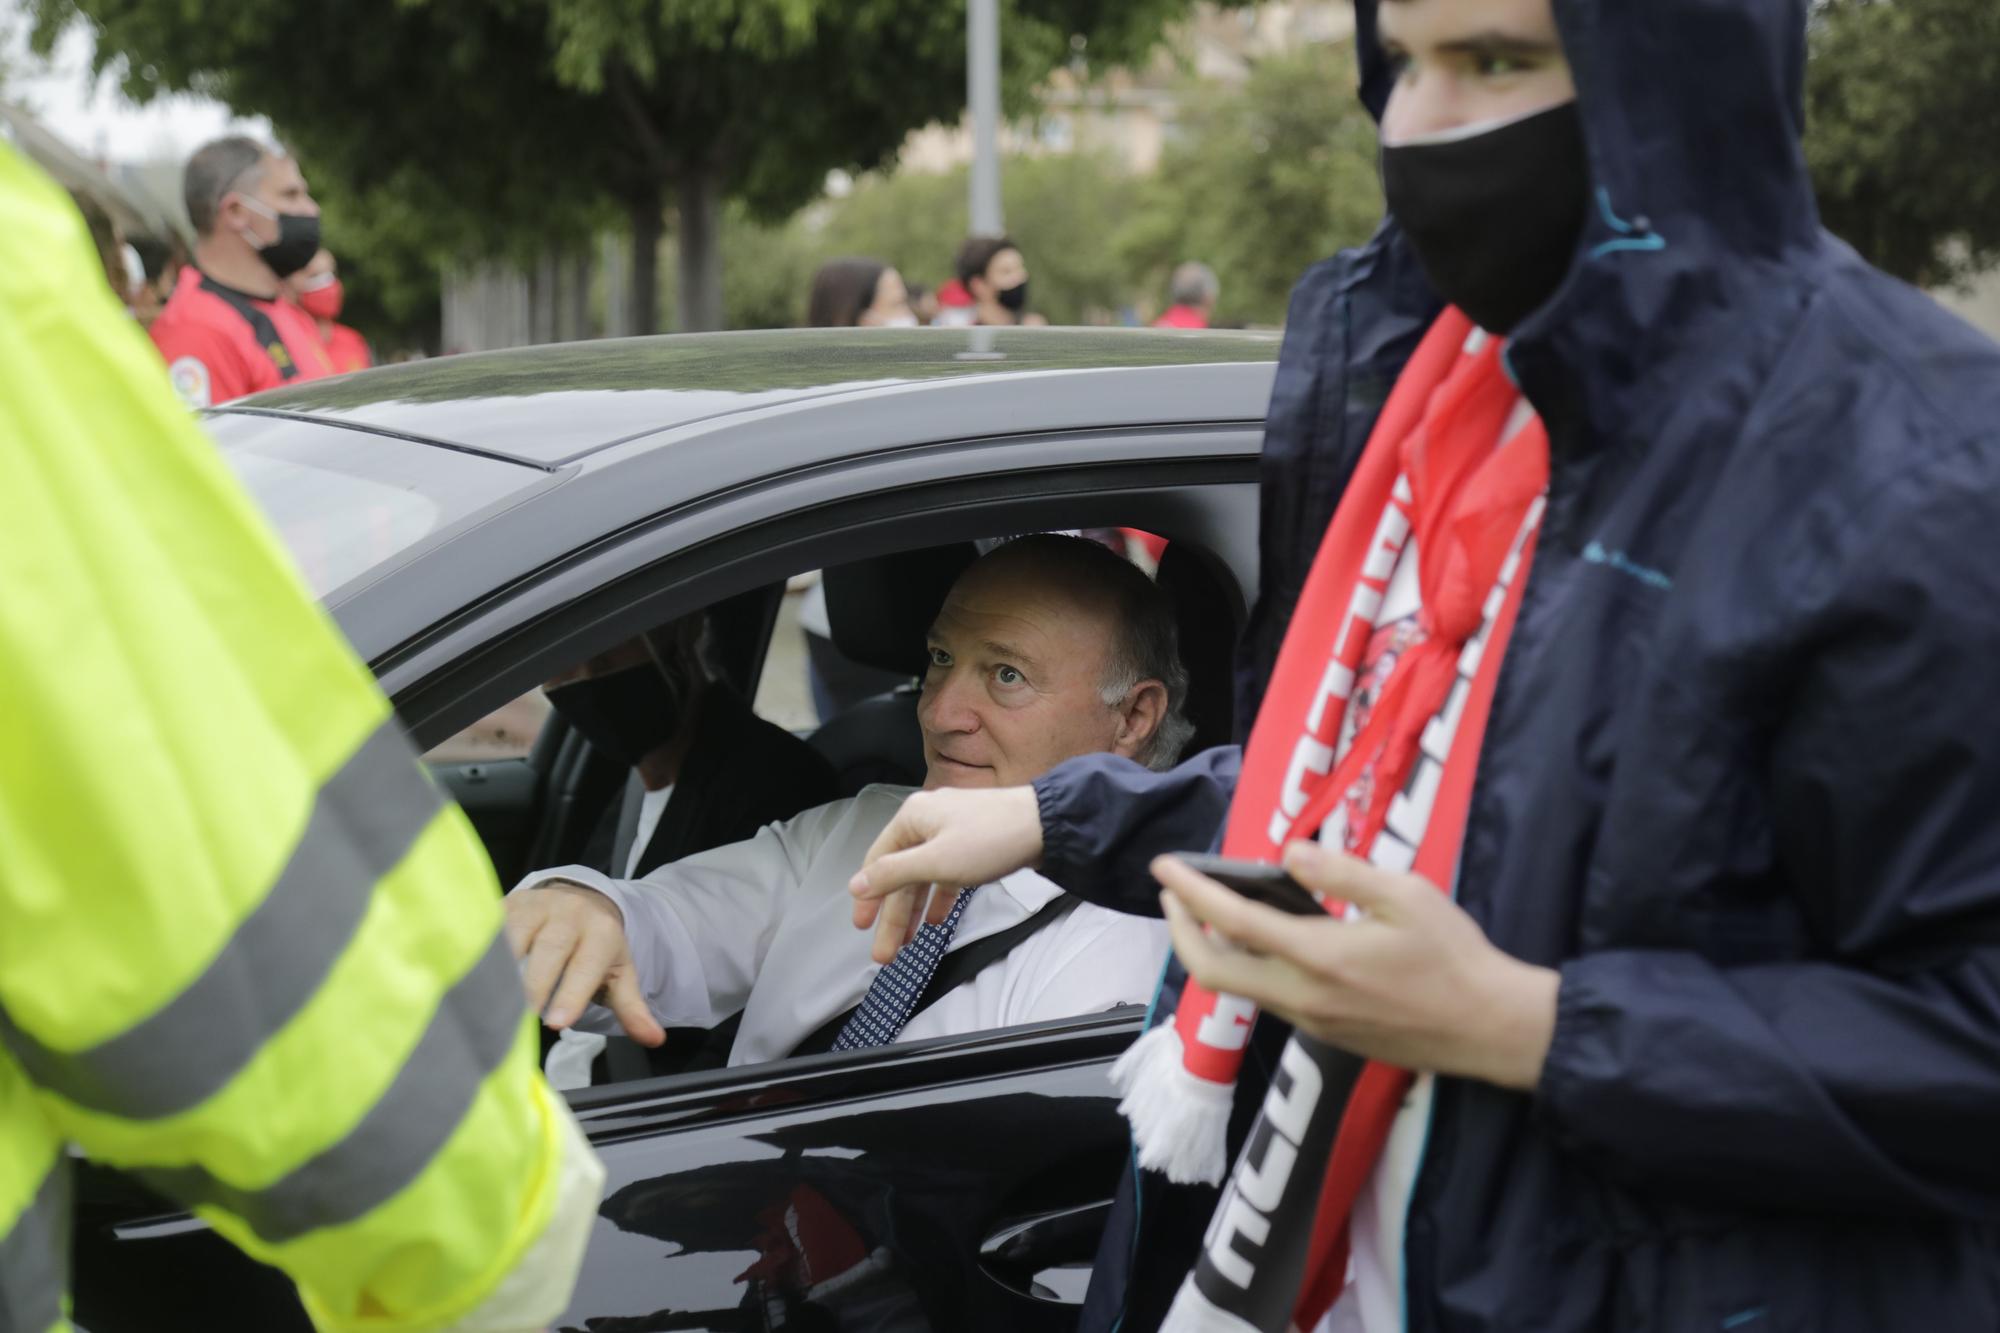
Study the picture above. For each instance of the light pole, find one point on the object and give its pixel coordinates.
(982, 96)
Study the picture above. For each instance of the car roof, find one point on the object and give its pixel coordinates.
(552, 404)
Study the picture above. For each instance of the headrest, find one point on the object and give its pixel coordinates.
(880, 609)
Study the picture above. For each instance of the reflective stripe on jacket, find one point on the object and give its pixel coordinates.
(250, 955)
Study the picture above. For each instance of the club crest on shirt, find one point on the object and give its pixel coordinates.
(190, 381)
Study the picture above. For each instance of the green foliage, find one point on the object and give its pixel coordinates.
(1258, 182)
(1903, 132)
(506, 127)
(392, 280)
(1262, 181)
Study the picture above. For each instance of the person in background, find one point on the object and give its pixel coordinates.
(162, 262)
(923, 302)
(316, 290)
(867, 293)
(1193, 291)
(847, 292)
(996, 278)
(228, 330)
(109, 245)
(955, 308)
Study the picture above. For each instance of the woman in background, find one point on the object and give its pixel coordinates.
(847, 293)
(858, 292)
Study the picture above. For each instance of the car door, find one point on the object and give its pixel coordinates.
(947, 1185)
(958, 1184)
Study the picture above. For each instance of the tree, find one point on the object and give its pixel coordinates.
(509, 125)
(1903, 132)
(1262, 181)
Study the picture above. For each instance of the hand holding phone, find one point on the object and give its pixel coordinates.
(1258, 881)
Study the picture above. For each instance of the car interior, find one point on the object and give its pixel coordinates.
(542, 808)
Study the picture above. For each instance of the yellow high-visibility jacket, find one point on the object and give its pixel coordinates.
(247, 952)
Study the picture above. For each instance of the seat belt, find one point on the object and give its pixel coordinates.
(632, 797)
(959, 966)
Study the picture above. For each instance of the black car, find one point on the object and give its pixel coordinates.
(478, 523)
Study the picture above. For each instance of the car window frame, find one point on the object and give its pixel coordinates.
(655, 572)
(689, 556)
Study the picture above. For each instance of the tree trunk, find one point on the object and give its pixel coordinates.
(648, 225)
(700, 244)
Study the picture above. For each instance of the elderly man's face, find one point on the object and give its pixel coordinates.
(1463, 63)
(1015, 684)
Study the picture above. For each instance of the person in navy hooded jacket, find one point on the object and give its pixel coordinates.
(1703, 1032)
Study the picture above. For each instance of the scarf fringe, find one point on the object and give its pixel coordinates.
(1180, 1123)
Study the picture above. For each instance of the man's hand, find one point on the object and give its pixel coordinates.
(573, 941)
(953, 837)
(1413, 983)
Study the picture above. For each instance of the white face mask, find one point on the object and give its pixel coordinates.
(900, 322)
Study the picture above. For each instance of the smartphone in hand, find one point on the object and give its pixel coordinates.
(1258, 881)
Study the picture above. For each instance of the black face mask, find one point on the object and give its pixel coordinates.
(1495, 219)
(1013, 299)
(625, 715)
(297, 243)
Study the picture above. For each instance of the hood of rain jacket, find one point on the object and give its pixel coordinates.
(1740, 781)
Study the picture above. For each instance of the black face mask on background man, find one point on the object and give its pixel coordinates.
(1495, 217)
(1013, 299)
(297, 243)
(625, 715)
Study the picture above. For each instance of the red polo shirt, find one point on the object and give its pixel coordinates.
(1182, 317)
(347, 349)
(220, 343)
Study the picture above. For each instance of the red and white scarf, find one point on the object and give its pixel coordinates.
(1276, 1253)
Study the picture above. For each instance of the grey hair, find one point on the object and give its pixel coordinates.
(1193, 284)
(1147, 643)
(216, 169)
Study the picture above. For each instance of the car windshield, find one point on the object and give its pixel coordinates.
(346, 502)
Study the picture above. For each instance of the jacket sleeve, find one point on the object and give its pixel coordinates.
(1868, 1076)
(698, 928)
(251, 954)
(1104, 818)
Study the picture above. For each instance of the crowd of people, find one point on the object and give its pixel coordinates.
(988, 286)
(259, 301)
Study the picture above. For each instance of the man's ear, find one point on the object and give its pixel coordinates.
(1139, 717)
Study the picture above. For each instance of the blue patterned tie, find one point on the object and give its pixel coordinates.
(898, 986)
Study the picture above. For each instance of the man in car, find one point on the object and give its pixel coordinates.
(1047, 648)
(228, 330)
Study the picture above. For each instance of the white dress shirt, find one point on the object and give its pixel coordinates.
(765, 926)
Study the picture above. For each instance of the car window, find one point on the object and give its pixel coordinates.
(345, 501)
(508, 732)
